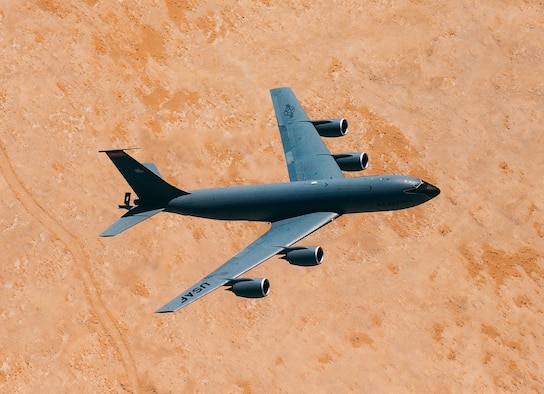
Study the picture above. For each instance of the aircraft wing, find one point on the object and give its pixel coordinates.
(306, 155)
(281, 234)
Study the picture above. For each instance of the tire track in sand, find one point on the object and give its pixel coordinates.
(75, 247)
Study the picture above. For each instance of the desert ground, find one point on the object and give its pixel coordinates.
(444, 297)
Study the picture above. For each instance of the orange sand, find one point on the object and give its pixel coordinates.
(445, 297)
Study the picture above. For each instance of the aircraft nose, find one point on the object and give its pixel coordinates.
(429, 190)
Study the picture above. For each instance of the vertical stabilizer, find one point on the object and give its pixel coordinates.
(151, 189)
(154, 193)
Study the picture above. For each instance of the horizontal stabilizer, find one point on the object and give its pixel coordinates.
(131, 218)
(153, 168)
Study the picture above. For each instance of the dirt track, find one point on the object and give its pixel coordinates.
(443, 297)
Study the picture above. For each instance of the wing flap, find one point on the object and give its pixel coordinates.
(281, 234)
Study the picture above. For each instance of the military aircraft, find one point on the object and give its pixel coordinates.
(317, 194)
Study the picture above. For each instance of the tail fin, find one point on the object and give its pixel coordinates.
(151, 189)
(153, 192)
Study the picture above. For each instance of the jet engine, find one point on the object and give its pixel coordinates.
(304, 256)
(352, 161)
(251, 288)
(337, 127)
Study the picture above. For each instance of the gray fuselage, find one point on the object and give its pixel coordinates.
(271, 202)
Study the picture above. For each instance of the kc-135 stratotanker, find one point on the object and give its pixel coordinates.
(317, 194)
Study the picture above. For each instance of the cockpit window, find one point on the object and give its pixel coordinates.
(424, 188)
(413, 189)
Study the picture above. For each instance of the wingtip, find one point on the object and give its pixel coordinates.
(166, 309)
(279, 89)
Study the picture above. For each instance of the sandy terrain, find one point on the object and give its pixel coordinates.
(445, 297)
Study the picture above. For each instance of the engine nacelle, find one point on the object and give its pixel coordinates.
(353, 161)
(304, 256)
(337, 127)
(251, 288)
